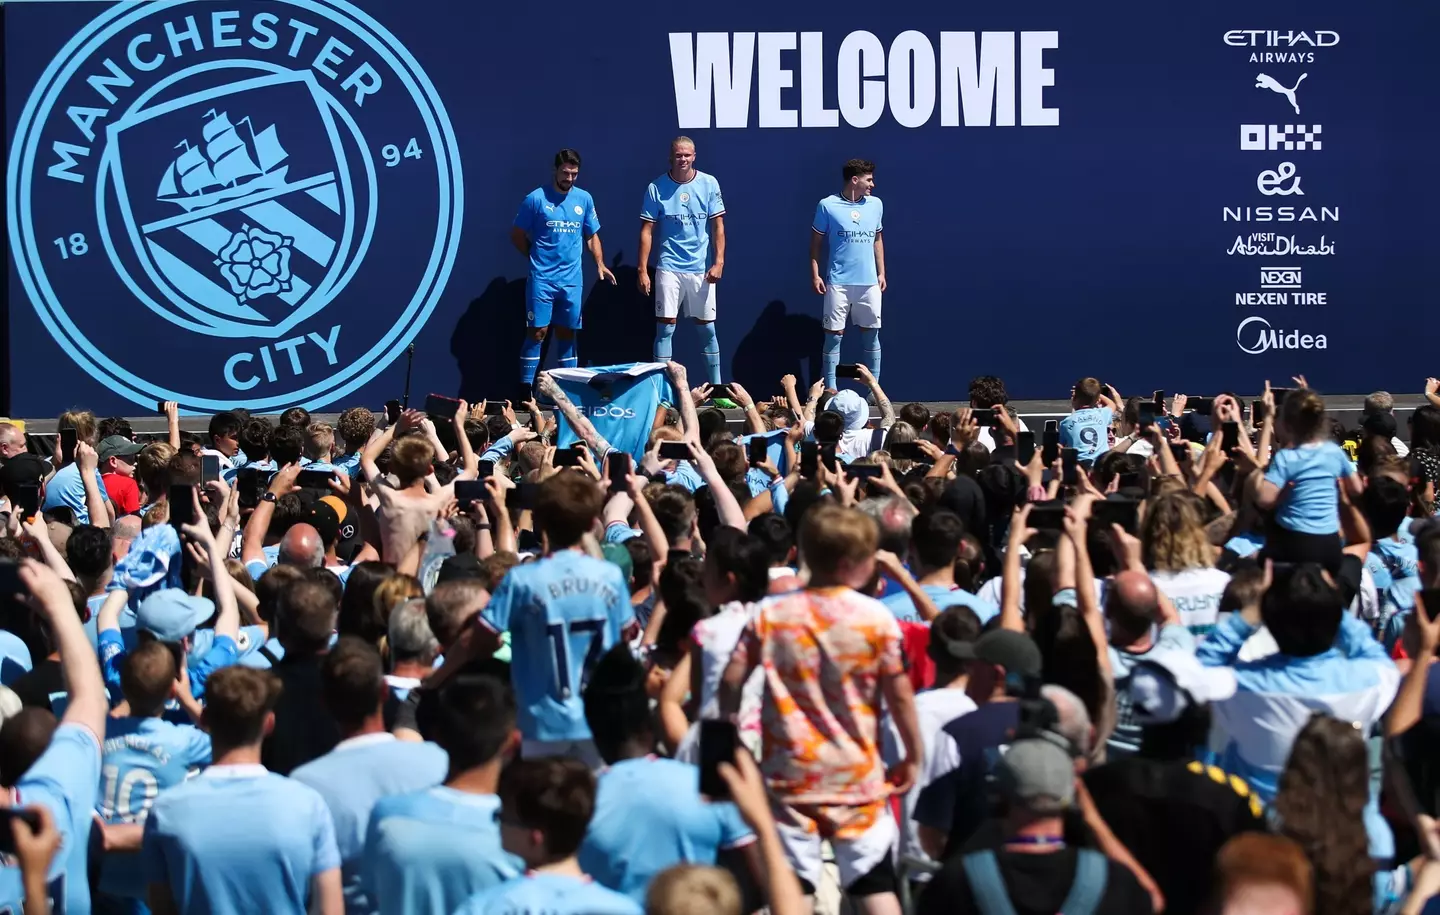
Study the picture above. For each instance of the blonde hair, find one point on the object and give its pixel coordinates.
(1173, 537)
(412, 459)
(693, 889)
(83, 422)
(319, 441)
(832, 536)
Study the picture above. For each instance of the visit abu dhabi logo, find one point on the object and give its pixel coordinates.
(273, 190)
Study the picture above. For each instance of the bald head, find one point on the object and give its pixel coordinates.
(125, 529)
(1132, 605)
(301, 546)
(12, 440)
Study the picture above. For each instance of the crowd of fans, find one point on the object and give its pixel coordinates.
(1156, 656)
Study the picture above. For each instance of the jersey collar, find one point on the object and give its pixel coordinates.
(235, 770)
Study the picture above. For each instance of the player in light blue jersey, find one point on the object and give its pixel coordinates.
(239, 838)
(143, 756)
(549, 229)
(689, 210)
(546, 805)
(849, 232)
(427, 852)
(64, 779)
(563, 613)
(368, 763)
(1087, 428)
(640, 788)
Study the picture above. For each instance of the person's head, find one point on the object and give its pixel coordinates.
(829, 426)
(675, 512)
(355, 426)
(412, 459)
(693, 889)
(894, 519)
(1303, 416)
(295, 417)
(617, 708)
(1035, 778)
(452, 605)
(935, 538)
(730, 461)
(12, 440)
(545, 808)
(306, 617)
(916, 415)
(473, 721)
(955, 626)
(838, 546)
(319, 441)
(352, 685)
(1067, 652)
(1374, 450)
(410, 638)
(567, 507)
(225, 433)
(302, 546)
(89, 554)
(287, 444)
(1321, 804)
(774, 534)
(82, 421)
(1173, 537)
(1302, 609)
(123, 533)
(1087, 393)
(147, 678)
(24, 738)
(152, 468)
(567, 169)
(1132, 605)
(185, 468)
(859, 177)
(1072, 720)
(1385, 503)
(1379, 402)
(993, 657)
(1427, 545)
(239, 707)
(737, 567)
(117, 455)
(1261, 874)
(939, 427)
(271, 585)
(682, 156)
(1425, 428)
(255, 438)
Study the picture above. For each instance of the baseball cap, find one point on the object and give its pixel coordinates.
(1382, 424)
(325, 519)
(1014, 651)
(118, 446)
(24, 468)
(1039, 772)
(618, 554)
(459, 567)
(1167, 681)
(170, 614)
(852, 409)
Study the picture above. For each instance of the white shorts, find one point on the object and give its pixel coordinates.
(583, 750)
(854, 857)
(688, 291)
(860, 303)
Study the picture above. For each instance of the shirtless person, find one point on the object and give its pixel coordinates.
(408, 504)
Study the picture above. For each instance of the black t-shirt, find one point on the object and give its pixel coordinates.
(1038, 885)
(1174, 817)
(304, 730)
(43, 683)
(959, 802)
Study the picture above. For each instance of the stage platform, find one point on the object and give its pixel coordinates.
(1345, 407)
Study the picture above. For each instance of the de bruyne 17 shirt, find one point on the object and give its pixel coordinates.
(563, 613)
(850, 230)
(682, 214)
(557, 225)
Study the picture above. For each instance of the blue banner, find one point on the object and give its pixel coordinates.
(263, 204)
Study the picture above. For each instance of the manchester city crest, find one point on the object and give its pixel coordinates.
(275, 186)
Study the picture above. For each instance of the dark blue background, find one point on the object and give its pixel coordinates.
(1039, 254)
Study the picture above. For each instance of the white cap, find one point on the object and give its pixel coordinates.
(1166, 681)
(852, 407)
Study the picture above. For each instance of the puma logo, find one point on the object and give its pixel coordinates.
(1264, 82)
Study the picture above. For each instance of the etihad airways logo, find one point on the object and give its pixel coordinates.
(975, 79)
(1255, 336)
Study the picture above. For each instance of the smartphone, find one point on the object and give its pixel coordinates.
(9, 815)
(10, 578)
(522, 496)
(809, 459)
(67, 444)
(314, 479)
(1229, 435)
(1180, 451)
(209, 468)
(848, 370)
(1147, 414)
(827, 456)
(1133, 480)
(1158, 399)
(757, 451)
(486, 469)
(906, 451)
(160, 406)
(721, 392)
(567, 457)
(619, 466)
(1070, 466)
(719, 741)
(1201, 405)
(467, 491)
(674, 451)
(1122, 511)
(441, 407)
(1257, 412)
(1048, 516)
(1279, 394)
(27, 498)
(182, 505)
(985, 418)
(1430, 597)
(1025, 447)
(494, 408)
(249, 487)
(392, 411)
(1050, 444)
(864, 471)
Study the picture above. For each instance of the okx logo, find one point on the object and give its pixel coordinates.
(277, 190)
(1255, 336)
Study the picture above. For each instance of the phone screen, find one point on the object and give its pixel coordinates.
(809, 459)
(27, 498)
(67, 444)
(1025, 447)
(674, 451)
(314, 479)
(1430, 597)
(567, 457)
(1158, 399)
(1147, 414)
(721, 392)
(486, 469)
(756, 451)
(392, 411)
(9, 814)
(1121, 511)
(182, 505)
(441, 407)
(718, 743)
(522, 496)
(209, 468)
(467, 491)
(827, 456)
(619, 466)
(1050, 445)
(847, 370)
(495, 407)
(1070, 466)
(863, 471)
(1229, 435)
(1048, 516)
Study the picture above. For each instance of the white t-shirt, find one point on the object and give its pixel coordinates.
(1196, 596)
(934, 708)
(991, 589)
(987, 439)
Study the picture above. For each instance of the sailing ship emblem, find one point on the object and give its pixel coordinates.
(231, 161)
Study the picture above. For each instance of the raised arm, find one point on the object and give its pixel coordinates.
(252, 542)
(584, 429)
(1409, 703)
(78, 662)
(40, 535)
(1010, 615)
(731, 514)
(172, 423)
(469, 462)
(227, 618)
(95, 502)
(754, 422)
(887, 412)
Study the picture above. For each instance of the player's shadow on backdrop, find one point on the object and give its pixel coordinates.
(778, 344)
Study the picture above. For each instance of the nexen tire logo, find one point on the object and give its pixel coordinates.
(1261, 337)
(610, 412)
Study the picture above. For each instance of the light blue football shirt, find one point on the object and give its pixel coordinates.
(1087, 431)
(682, 214)
(1307, 475)
(352, 778)
(426, 853)
(649, 815)
(62, 779)
(239, 839)
(15, 660)
(550, 894)
(903, 607)
(563, 613)
(68, 489)
(558, 225)
(850, 230)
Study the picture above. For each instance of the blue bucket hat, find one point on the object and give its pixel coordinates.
(170, 614)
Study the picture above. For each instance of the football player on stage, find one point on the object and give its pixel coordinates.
(689, 210)
(850, 225)
(549, 230)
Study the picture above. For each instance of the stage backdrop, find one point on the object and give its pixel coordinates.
(265, 203)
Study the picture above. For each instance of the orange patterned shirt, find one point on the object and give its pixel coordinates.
(824, 652)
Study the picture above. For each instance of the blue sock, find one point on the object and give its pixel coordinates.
(663, 333)
(568, 356)
(830, 357)
(870, 343)
(710, 349)
(529, 359)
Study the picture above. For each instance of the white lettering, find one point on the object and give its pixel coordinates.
(774, 78)
(861, 95)
(1035, 77)
(912, 92)
(813, 112)
(980, 80)
(703, 71)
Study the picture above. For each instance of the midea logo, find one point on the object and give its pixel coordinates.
(1263, 337)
